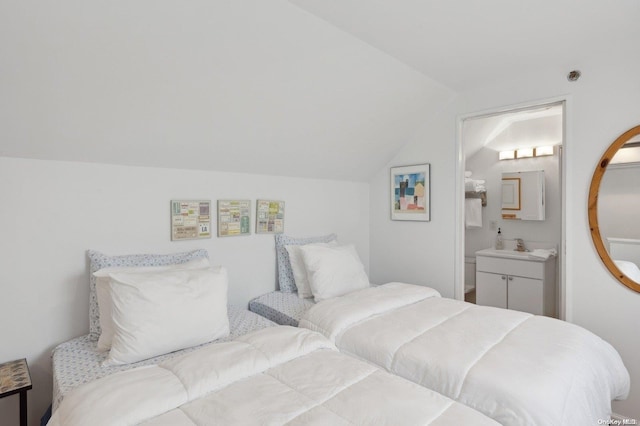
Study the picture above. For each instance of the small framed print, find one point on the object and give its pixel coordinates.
(190, 219)
(234, 218)
(410, 193)
(269, 217)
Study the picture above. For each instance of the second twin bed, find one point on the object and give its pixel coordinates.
(514, 367)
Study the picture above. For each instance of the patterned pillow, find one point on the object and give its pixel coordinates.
(285, 273)
(100, 260)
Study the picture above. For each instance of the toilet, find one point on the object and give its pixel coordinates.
(469, 278)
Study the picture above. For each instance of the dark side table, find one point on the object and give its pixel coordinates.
(15, 378)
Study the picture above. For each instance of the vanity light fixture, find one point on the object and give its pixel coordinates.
(540, 151)
(524, 153)
(507, 155)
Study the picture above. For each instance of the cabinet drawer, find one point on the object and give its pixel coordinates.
(520, 268)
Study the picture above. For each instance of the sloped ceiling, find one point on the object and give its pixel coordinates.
(248, 86)
(308, 88)
(513, 130)
(471, 43)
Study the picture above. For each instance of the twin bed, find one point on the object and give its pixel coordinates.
(78, 361)
(280, 307)
(278, 375)
(392, 354)
(514, 367)
(256, 373)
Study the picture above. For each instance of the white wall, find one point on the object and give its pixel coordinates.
(417, 252)
(485, 165)
(602, 105)
(52, 212)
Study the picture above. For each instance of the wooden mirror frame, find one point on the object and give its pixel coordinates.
(598, 174)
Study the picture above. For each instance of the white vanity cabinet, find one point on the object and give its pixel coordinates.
(516, 281)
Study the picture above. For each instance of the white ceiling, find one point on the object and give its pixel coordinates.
(472, 43)
(308, 88)
(530, 128)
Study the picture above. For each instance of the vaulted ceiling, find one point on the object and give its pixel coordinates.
(471, 43)
(308, 88)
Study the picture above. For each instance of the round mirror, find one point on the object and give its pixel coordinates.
(614, 208)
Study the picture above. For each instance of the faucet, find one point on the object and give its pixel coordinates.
(520, 245)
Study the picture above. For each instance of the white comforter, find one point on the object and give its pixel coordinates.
(273, 376)
(517, 368)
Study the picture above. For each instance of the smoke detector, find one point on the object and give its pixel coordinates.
(574, 75)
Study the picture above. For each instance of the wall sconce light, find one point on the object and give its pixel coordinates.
(507, 155)
(540, 151)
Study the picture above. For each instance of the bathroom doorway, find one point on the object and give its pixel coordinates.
(520, 139)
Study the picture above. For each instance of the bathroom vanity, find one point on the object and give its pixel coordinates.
(516, 280)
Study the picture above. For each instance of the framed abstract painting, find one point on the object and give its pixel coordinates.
(411, 192)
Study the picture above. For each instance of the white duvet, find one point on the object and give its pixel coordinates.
(517, 368)
(278, 375)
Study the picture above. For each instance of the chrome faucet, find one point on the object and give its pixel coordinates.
(520, 245)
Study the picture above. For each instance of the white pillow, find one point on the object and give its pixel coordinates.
(333, 271)
(299, 270)
(630, 269)
(158, 313)
(103, 293)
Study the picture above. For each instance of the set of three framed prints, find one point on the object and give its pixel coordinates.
(191, 219)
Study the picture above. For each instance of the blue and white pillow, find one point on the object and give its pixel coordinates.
(286, 281)
(100, 260)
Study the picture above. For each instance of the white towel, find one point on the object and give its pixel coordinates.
(543, 253)
(473, 212)
(475, 185)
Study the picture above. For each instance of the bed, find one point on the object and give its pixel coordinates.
(280, 307)
(164, 348)
(84, 359)
(278, 375)
(516, 368)
(78, 361)
(287, 305)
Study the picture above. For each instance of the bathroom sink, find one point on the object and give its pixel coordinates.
(508, 254)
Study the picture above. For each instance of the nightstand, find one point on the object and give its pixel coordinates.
(15, 378)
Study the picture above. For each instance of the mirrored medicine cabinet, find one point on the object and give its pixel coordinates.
(523, 195)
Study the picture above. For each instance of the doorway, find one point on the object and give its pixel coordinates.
(509, 140)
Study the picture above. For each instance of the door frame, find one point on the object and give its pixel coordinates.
(565, 311)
